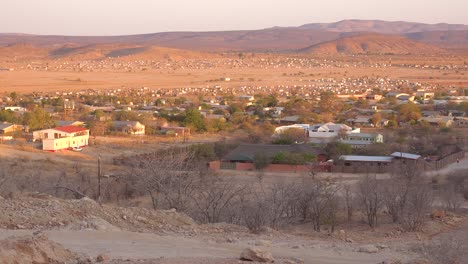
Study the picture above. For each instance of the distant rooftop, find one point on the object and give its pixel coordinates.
(70, 129)
(366, 158)
(405, 155)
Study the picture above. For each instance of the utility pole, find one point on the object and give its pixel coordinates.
(99, 179)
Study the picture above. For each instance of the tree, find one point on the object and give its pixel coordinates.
(409, 112)
(261, 160)
(203, 152)
(99, 128)
(328, 103)
(9, 116)
(451, 198)
(14, 96)
(335, 149)
(194, 119)
(267, 101)
(376, 118)
(362, 103)
(319, 200)
(418, 205)
(217, 125)
(290, 136)
(216, 197)
(349, 198)
(271, 207)
(170, 176)
(38, 119)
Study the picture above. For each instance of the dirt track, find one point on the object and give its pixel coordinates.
(133, 246)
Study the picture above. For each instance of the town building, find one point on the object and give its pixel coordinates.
(324, 133)
(362, 140)
(9, 128)
(60, 138)
(129, 127)
(439, 121)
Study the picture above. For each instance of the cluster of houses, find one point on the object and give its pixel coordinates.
(328, 132)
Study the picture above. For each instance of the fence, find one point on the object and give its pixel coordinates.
(452, 158)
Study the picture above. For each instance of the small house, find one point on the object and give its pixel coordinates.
(9, 128)
(129, 127)
(60, 138)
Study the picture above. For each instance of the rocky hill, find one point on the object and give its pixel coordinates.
(384, 27)
(372, 44)
(98, 52)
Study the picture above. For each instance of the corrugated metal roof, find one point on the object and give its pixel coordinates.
(366, 158)
(405, 155)
(5, 125)
(356, 142)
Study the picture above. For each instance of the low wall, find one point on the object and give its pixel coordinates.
(216, 165)
(245, 166)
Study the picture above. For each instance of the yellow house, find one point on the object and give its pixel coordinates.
(63, 137)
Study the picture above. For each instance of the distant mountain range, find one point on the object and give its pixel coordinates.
(347, 36)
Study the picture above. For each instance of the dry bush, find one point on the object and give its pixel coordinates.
(216, 199)
(349, 197)
(406, 197)
(371, 197)
(449, 249)
(451, 198)
(168, 177)
(418, 206)
(273, 207)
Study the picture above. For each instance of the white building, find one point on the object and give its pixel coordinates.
(362, 140)
(324, 133)
(60, 138)
(129, 127)
(321, 133)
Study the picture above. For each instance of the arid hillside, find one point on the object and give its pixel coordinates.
(22, 51)
(373, 44)
(275, 39)
(380, 26)
(450, 39)
(76, 52)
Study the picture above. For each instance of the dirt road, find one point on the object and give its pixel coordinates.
(133, 246)
(461, 166)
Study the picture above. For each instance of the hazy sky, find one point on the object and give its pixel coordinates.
(116, 17)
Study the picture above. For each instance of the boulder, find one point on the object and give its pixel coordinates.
(102, 258)
(438, 214)
(381, 246)
(231, 240)
(257, 254)
(100, 225)
(368, 249)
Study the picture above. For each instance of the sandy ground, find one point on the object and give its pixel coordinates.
(133, 246)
